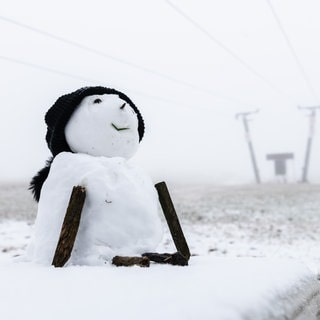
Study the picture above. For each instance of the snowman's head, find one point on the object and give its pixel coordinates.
(103, 125)
(94, 120)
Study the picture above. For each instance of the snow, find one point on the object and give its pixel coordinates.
(120, 214)
(210, 288)
(241, 268)
(92, 127)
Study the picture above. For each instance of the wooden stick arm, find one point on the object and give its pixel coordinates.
(172, 220)
(70, 227)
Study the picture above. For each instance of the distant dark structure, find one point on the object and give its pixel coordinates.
(280, 162)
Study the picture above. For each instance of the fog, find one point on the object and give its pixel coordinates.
(192, 134)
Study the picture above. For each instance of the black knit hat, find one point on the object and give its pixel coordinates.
(59, 114)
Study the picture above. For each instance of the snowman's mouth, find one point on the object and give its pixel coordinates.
(119, 128)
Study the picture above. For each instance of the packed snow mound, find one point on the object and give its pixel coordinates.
(120, 214)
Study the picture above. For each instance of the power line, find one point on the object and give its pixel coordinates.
(43, 68)
(119, 60)
(224, 47)
(87, 48)
(292, 50)
(81, 78)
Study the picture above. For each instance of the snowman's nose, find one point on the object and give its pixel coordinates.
(122, 107)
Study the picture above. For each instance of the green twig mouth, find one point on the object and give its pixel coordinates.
(119, 129)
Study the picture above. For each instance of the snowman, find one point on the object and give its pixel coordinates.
(92, 133)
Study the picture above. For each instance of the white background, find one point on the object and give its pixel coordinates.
(195, 137)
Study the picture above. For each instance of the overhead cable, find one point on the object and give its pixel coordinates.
(81, 78)
(122, 61)
(292, 51)
(224, 47)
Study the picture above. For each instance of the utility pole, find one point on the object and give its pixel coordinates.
(312, 120)
(244, 116)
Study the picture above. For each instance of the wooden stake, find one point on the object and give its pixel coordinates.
(176, 259)
(70, 227)
(120, 261)
(172, 220)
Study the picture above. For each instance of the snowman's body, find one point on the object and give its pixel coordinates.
(120, 214)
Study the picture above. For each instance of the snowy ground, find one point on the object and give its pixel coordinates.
(250, 289)
(255, 254)
(253, 221)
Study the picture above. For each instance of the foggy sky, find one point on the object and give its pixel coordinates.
(193, 136)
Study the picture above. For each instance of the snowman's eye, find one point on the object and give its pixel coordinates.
(97, 101)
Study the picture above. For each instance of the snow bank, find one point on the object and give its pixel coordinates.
(210, 288)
